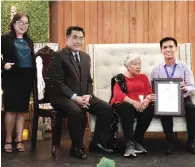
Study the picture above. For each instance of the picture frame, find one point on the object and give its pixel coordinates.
(169, 97)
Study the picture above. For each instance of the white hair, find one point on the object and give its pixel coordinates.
(130, 58)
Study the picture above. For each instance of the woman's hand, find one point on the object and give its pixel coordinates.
(8, 66)
(145, 103)
(137, 105)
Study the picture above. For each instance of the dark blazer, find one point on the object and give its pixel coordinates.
(9, 53)
(66, 78)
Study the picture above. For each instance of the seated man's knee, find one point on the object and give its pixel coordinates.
(107, 111)
(76, 112)
(190, 110)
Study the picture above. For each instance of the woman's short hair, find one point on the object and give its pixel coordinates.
(130, 58)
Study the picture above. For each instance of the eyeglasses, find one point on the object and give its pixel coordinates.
(21, 23)
(81, 39)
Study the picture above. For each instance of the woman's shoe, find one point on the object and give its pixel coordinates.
(139, 148)
(130, 149)
(20, 149)
(8, 150)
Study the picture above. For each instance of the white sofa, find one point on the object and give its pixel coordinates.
(107, 61)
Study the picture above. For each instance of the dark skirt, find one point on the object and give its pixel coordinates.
(17, 86)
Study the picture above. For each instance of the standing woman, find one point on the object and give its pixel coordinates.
(18, 72)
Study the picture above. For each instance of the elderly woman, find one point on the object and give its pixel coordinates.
(131, 97)
(18, 72)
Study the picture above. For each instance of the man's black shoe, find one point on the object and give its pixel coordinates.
(82, 148)
(191, 148)
(78, 153)
(170, 149)
(101, 148)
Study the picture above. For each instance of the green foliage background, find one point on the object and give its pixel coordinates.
(38, 12)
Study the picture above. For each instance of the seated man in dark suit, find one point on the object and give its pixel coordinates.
(72, 93)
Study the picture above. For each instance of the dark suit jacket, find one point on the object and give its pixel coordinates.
(66, 78)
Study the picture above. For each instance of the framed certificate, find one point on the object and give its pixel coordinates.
(169, 97)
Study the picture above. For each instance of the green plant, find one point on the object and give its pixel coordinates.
(105, 162)
(38, 12)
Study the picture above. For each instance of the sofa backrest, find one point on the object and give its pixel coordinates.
(107, 61)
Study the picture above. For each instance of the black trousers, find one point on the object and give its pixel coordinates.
(77, 120)
(167, 122)
(127, 114)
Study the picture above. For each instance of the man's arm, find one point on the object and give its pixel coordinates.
(90, 83)
(189, 81)
(56, 75)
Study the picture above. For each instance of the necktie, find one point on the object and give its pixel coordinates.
(77, 58)
(77, 61)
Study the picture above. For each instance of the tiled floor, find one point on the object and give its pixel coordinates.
(155, 158)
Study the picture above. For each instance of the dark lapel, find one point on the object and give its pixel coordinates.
(82, 64)
(72, 60)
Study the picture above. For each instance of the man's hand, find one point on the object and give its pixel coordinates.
(184, 86)
(86, 99)
(8, 66)
(80, 100)
(151, 97)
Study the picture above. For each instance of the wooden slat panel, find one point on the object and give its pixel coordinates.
(145, 22)
(80, 13)
(74, 13)
(120, 23)
(126, 22)
(56, 28)
(113, 31)
(100, 21)
(139, 22)
(172, 19)
(107, 21)
(192, 32)
(181, 18)
(155, 21)
(67, 16)
(132, 22)
(53, 22)
(87, 24)
(165, 18)
(61, 28)
(93, 22)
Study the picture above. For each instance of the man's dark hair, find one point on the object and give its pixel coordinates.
(71, 28)
(168, 39)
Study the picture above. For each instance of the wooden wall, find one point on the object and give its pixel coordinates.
(125, 21)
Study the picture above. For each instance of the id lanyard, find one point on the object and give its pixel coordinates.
(173, 71)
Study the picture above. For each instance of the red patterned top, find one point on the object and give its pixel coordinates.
(139, 85)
